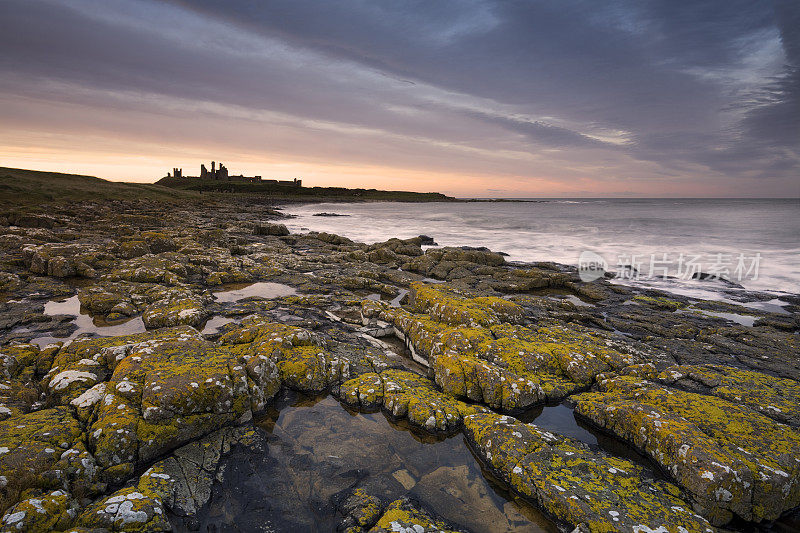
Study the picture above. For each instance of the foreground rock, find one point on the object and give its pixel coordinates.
(124, 432)
(479, 350)
(576, 485)
(406, 395)
(729, 457)
(365, 513)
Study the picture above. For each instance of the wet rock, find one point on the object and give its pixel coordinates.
(527, 279)
(456, 488)
(575, 484)
(132, 400)
(730, 458)
(361, 511)
(404, 516)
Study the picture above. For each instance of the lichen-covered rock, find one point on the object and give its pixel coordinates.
(729, 457)
(576, 484)
(44, 449)
(102, 302)
(163, 393)
(360, 511)
(133, 249)
(175, 311)
(128, 510)
(271, 349)
(477, 350)
(234, 276)
(84, 362)
(771, 396)
(406, 395)
(300, 358)
(53, 511)
(19, 366)
(149, 269)
(442, 305)
(62, 260)
(405, 517)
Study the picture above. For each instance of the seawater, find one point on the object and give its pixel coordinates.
(559, 230)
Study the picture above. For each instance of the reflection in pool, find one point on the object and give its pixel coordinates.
(86, 323)
(214, 323)
(317, 452)
(262, 289)
(561, 419)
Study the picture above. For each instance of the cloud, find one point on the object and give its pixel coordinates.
(568, 90)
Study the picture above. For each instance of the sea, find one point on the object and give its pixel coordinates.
(735, 244)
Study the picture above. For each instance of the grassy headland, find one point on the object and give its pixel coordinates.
(301, 194)
(19, 187)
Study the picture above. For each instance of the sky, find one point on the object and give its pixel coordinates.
(479, 98)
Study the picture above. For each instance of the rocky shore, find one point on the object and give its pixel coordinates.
(147, 351)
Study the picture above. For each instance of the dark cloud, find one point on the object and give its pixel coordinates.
(683, 87)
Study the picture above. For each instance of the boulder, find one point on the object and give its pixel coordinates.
(277, 230)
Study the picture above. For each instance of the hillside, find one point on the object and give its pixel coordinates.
(20, 187)
(23, 187)
(302, 194)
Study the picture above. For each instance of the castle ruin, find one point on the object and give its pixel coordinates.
(222, 174)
